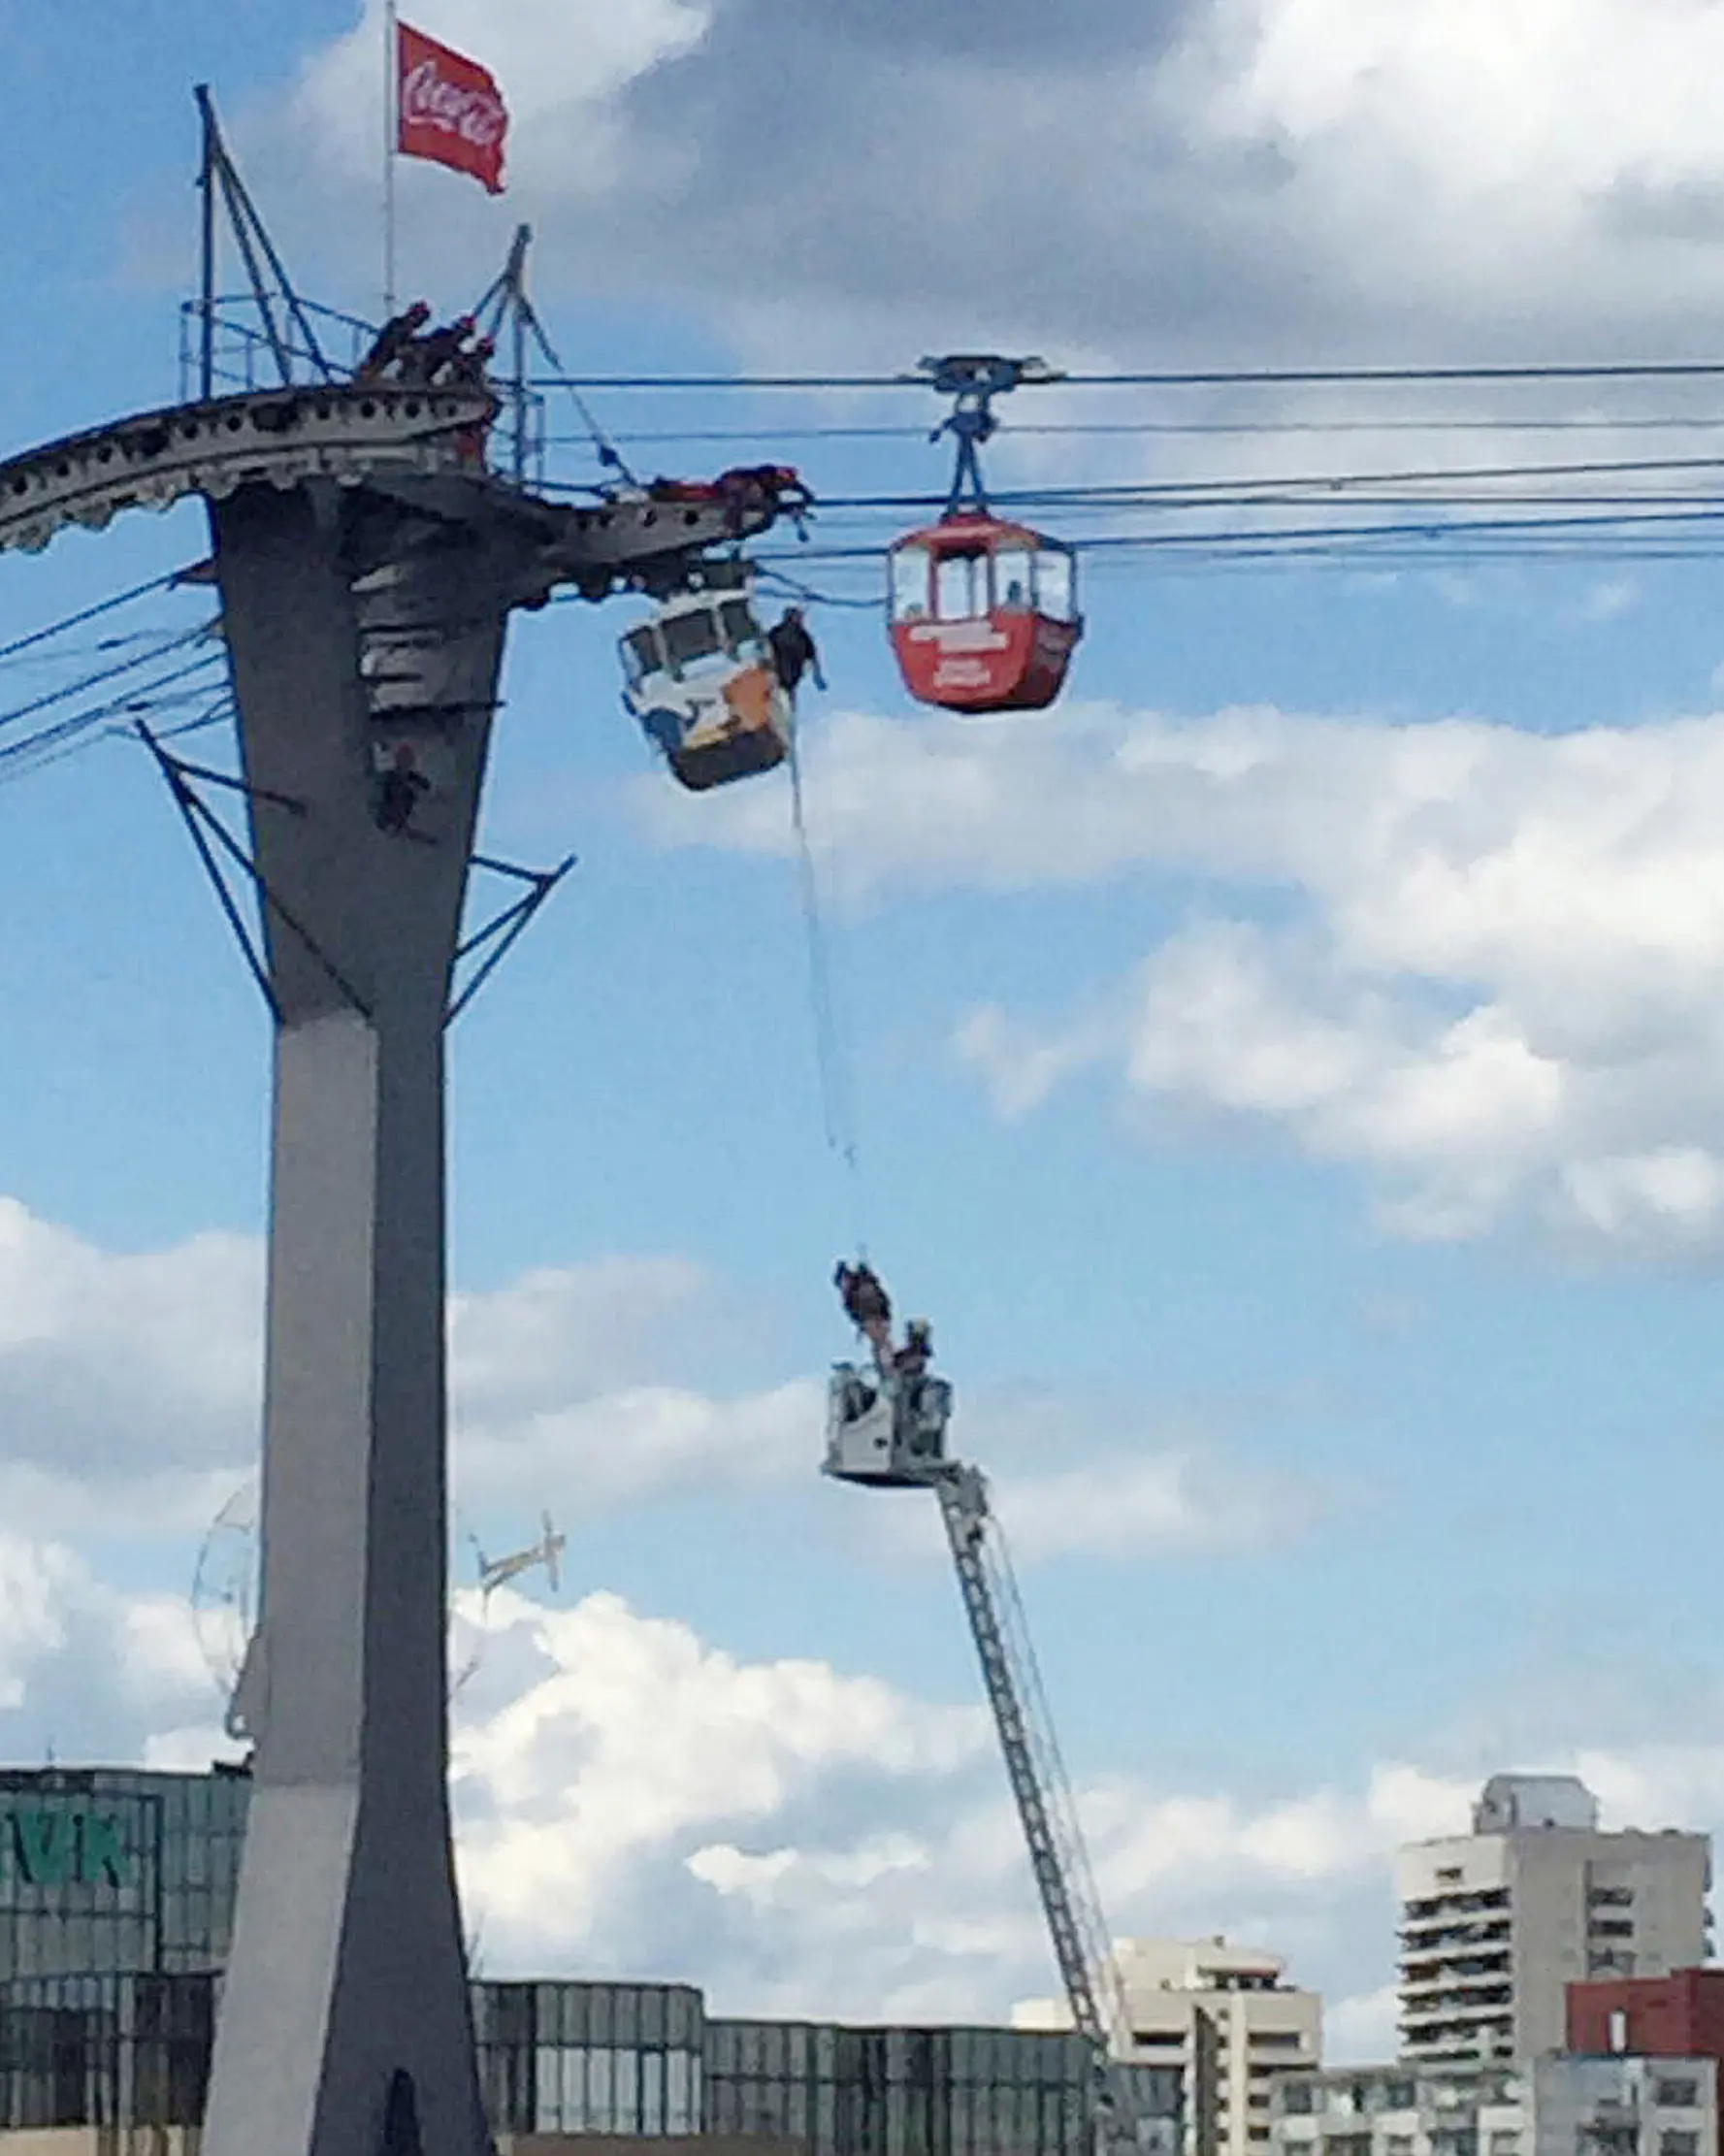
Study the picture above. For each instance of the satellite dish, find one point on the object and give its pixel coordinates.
(224, 1588)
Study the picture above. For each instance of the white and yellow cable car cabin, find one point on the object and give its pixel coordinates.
(698, 680)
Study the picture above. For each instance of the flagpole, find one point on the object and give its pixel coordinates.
(391, 136)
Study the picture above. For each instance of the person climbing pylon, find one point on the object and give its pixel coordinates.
(866, 1305)
(401, 787)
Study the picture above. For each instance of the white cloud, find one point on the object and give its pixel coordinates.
(800, 1841)
(1169, 1496)
(1487, 975)
(1196, 177)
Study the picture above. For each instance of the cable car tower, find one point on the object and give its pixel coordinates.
(368, 561)
(886, 1429)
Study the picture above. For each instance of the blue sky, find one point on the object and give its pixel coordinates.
(1286, 1073)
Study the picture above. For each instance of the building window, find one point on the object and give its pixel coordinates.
(1677, 2096)
(1296, 2099)
(1612, 1927)
(1397, 2144)
(1610, 1897)
(1504, 2145)
(1679, 2141)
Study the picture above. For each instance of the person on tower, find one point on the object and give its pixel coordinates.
(868, 1306)
(793, 652)
(431, 355)
(400, 789)
(469, 370)
(390, 342)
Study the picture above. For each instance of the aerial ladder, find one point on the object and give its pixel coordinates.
(886, 1428)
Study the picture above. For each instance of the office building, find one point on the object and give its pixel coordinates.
(1496, 1924)
(116, 1906)
(581, 2062)
(106, 1871)
(1555, 2106)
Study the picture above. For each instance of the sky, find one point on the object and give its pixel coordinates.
(1287, 1072)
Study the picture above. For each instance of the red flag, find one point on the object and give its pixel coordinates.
(448, 109)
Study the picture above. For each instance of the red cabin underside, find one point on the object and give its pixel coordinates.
(998, 662)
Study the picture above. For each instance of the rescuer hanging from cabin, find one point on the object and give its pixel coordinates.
(392, 341)
(793, 654)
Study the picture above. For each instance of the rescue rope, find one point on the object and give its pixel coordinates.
(838, 1089)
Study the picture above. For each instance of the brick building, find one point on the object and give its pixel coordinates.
(1678, 2016)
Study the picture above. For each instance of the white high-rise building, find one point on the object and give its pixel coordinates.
(1223, 2015)
(1495, 1923)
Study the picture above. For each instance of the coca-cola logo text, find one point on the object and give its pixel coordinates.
(428, 100)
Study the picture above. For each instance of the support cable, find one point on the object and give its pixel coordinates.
(89, 614)
(831, 1042)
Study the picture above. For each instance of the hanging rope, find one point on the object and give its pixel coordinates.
(837, 1093)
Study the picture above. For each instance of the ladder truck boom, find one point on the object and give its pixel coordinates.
(887, 1429)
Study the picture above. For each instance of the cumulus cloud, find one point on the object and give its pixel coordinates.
(129, 1384)
(1480, 963)
(812, 1843)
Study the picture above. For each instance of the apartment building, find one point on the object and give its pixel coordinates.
(1496, 1924)
(1224, 2018)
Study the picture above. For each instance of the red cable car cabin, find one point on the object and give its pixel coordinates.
(984, 615)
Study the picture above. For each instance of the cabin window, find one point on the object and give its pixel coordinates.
(742, 631)
(909, 583)
(1012, 579)
(690, 636)
(640, 654)
(1055, 584)
(961, 586)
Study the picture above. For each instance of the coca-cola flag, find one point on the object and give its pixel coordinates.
(448, 109)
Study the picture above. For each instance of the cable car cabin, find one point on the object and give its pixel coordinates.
(984, 615)
(892, 1433)
(699, 679)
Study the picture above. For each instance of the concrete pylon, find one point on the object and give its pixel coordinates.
(366, 642)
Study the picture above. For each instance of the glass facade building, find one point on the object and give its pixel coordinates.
(116, 1893)
(608, 2059)
(104, 1871)
(591, 2058)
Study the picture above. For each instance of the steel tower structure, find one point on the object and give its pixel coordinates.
(367, 565)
